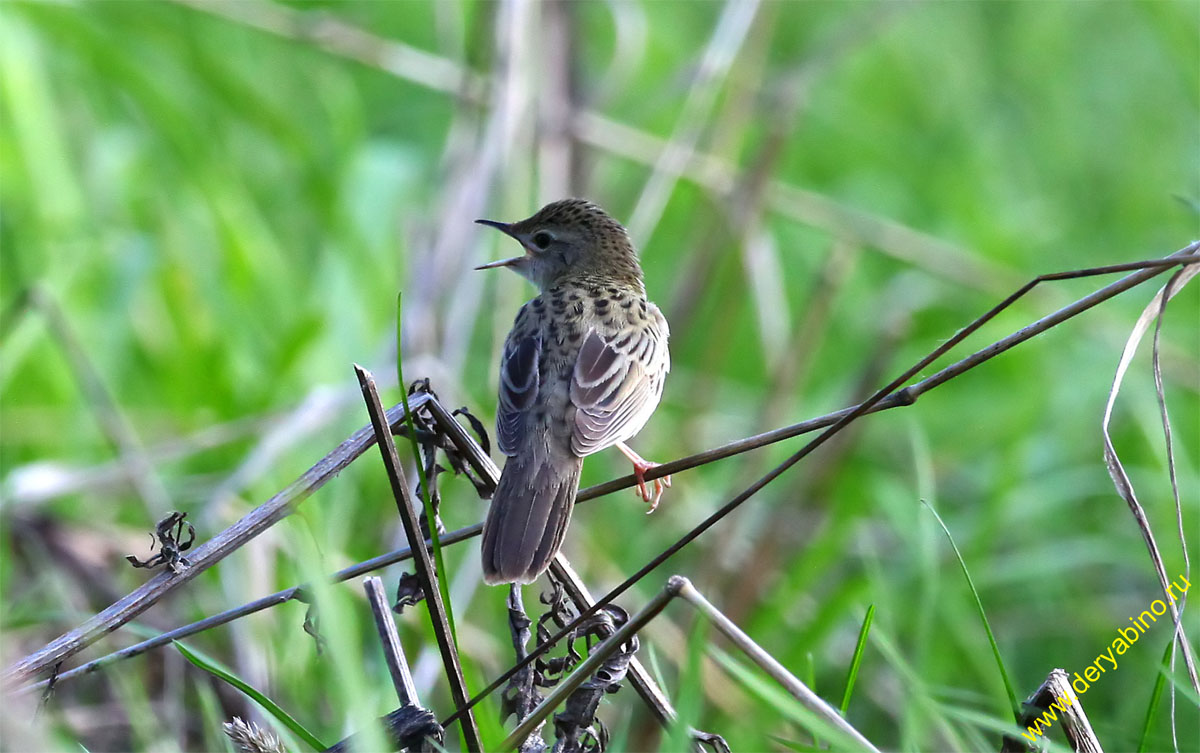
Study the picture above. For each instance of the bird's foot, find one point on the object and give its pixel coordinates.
(660, 484)
(640, 466)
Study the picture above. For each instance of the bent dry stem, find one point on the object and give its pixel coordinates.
(1145, 270)
(593, 662)
(426, 573)
(679, 586)
(313, 479)
(203, 557)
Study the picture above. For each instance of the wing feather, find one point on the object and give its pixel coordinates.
(617, 383)
(519, 384)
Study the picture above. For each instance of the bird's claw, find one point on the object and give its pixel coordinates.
(640, 466)
(660, 484)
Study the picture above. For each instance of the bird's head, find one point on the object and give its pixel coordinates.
(567, 240)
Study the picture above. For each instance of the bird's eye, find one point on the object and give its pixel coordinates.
(542, 239)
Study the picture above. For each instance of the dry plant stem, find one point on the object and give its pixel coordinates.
(677, 585)
(393, 653)
(326, 32)
(279, 597)
(645, 686)
(114, 424)
(422, 561)
(1120, 478)
(718, 57)
(576, 590)
(904, 397)
(338, 38)
(479, 460)
(1074, 722)
(909, 395)
(111, 475)
(768, 663)
(573, 585)
(1146, 270)
(589, 665)
(408, 728)
(1160, 394)
(581, 597)
(202, 558)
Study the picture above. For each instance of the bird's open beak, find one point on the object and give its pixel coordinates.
(505, 228)
(501, 263)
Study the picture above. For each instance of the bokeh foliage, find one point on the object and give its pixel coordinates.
(221, 202)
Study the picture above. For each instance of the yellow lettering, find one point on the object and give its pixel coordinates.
(1108, 656)
(1075, 684)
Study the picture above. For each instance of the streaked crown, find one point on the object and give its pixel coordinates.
(572, 240)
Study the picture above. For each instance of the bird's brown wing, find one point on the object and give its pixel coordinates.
(617, 382)
(519, 383)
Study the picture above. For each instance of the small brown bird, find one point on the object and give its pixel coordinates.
(583, 368)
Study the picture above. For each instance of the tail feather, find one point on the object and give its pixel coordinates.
(528, 517)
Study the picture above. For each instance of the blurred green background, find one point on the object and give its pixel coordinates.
(209, 208)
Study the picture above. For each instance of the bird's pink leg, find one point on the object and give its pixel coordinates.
(640, 466)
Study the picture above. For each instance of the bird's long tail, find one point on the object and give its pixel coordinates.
(528, 517)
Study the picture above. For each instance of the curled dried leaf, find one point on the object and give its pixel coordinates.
(408, 592)
(171, 543)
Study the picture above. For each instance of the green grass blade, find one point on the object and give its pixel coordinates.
(430, 518)
(794, 745)
(690, 698)
(856, 660)
(1156, 697)
(781, 703)
(210, 665)
(1012, 696)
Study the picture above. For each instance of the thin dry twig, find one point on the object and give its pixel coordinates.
(1145, 270)
(1160, 394)
(41, 481)
(1075, 724)
(113, 422)
(576, 727)
(597, 657)
(426, 572)
(905, 397)
(408, 728)
(718, 56)
(679, 586)
(393, 652)
(1116, 470)
(205, 556)
(577, 591)
(422, 731)
(601, 132)
(639, 677)
(279, 597)
(772, 667)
